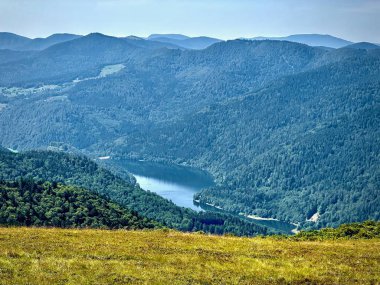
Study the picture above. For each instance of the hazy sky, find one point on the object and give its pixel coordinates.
(356, 20)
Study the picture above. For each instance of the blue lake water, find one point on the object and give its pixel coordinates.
(179, 184)
(175, 183)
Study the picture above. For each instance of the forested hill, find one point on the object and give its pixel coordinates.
(154, 86)
(82, 172)
(307, 144)
(364, 230)
(27, 203)
(15, 42)
(288, 130)
(66, 61)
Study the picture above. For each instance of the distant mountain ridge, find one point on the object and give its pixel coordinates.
(43, 43)
(63, 58)
(12, 41)
(168, 36)
(311, 40)
(20, 43)
(172, 41)
(363, 45)
(184, 41)
(150, 44)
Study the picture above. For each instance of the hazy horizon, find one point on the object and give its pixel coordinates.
(352, 20)
(146, 36)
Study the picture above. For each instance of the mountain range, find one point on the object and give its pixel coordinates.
(184, 41)
(289, 131)
(311, 40)
(16, 42)
(177, 41)
(19, 43)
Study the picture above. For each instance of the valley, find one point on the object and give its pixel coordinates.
(189, 142)
(112, 184)
(271, 121)
(180, 184)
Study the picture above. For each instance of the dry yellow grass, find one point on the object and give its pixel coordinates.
(62, 256)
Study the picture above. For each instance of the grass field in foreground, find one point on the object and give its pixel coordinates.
(64, 256)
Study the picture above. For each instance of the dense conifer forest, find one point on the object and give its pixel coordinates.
(287, 130)
(80, 171)
(27, 203)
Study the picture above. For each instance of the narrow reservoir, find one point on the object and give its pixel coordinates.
(179, 184)
(173, 182)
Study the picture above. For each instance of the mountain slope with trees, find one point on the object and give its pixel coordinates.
(15, 42)
(158, 86)
(82, 172)
(311, 40)
(29, 203)
(307, 144)
(289, 131)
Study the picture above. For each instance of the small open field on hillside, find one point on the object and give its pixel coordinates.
(63, 256)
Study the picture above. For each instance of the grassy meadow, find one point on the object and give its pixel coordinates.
(70, 256)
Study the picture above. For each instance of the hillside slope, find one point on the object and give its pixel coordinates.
(66, 61)
(154, 87)
(85, 173)
(27, 203)
(311, 40)
(184, 41)
(12, 41)
(43, 43)
(307, 144)
(54, 256)
(289, 131)
(19, 43)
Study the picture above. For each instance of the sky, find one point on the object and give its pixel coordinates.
(355, 20)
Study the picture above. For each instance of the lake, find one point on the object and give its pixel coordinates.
(173, 182)
(179, 184)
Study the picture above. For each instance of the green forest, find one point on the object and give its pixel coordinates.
(364, 230)
(27, 203)
(288, 131)
(79, 171)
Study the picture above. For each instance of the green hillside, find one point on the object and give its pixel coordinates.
(62, 256)
(26, 203)
(306, 144)
(83, 172)
(287, 130)
(365, 230)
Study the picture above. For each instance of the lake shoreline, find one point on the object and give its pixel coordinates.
(179, 184)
